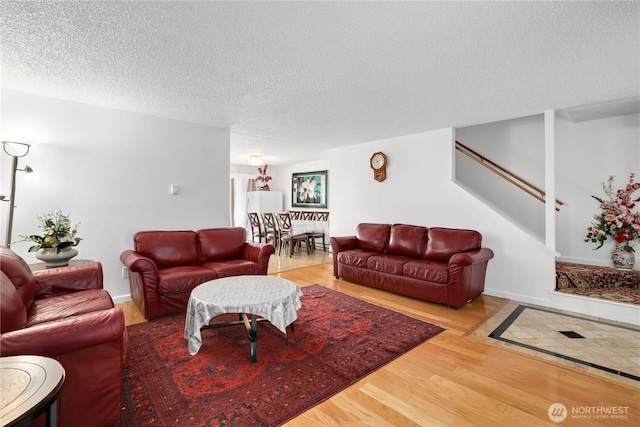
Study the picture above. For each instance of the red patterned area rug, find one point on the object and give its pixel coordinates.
(598, 282)
(337, 340)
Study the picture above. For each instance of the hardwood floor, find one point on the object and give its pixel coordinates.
(455, 380)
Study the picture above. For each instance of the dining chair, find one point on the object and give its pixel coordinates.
(295, 214)
(271, 229)
(256, 227)
(288, 238)
(307, 215)
(319, 233)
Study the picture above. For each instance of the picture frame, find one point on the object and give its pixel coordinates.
(309, 189)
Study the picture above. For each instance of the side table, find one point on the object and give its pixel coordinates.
(41, 265)
(29, 386)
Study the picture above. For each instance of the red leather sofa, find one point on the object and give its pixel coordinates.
(165, 266)
(64, 313)
(441, 265)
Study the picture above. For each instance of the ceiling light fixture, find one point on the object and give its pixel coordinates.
(256, 161)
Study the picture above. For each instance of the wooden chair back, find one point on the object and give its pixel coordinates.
(295, 214)
(285, 221)
(271, 229)
(321, 216)
(308, 215)
(256, 227)
(269, 221)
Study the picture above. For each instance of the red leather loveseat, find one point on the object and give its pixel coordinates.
(441, 265)
(165, 266)
(63, 313)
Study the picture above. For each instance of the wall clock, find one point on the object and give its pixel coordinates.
(378, 163)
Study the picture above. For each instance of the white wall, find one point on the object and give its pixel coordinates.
(517, 145)
(111, 170)
(282, 176)
(419, 190)
(587, 154)
(282, 180)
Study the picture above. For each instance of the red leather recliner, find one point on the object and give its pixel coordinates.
(64, 313)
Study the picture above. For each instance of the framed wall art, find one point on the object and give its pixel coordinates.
(309, 190)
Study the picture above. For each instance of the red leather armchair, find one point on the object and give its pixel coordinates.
(64, 313)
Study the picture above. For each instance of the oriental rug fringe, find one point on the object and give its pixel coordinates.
(338, 339)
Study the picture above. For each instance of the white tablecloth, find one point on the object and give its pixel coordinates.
(272, 298)
(302, 226)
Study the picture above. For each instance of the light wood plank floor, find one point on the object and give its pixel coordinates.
(456, 380)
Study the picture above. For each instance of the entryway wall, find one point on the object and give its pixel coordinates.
(586, 154)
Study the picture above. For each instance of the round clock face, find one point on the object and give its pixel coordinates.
(377, 161)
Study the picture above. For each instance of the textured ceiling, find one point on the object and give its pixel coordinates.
(291, 79)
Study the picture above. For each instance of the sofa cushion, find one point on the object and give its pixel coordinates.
(233, 267)
(168, 248)
(390, 264)
(221, 243)
(407, 240)
(443, 243)
(355, 257)
(12, 310)
(430, 271)
(373, 237)
(177, 280)
(68, 305)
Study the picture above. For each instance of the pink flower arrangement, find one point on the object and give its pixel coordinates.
(618, 218)
(263, 174)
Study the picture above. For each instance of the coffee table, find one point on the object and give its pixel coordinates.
(273, 299)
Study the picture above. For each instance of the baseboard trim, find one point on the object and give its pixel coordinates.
(122, 298)
(603, 309)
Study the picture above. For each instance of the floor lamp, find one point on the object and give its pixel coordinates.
(12, 196)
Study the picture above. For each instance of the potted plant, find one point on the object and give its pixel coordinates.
(263, 177)
(55, 246)
(619, 220)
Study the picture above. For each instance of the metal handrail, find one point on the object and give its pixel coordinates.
(505, 174)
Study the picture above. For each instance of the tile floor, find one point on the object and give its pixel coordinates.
(599, 346)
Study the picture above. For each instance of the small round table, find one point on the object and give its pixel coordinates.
(274, 299)
(30, 385)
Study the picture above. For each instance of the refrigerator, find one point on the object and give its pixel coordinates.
(264, 201)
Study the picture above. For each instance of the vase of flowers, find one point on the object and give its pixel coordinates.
(619, 220)
(264, 178)
(55, 246)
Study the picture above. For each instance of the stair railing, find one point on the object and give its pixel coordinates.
(509, 176)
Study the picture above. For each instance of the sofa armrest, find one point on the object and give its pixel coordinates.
(143, 281)
(72, 334)
(467, 272)
(260, 253)
(92, 350)
(137, 263)
(64, 280)
(472, 257)
(339, 244)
